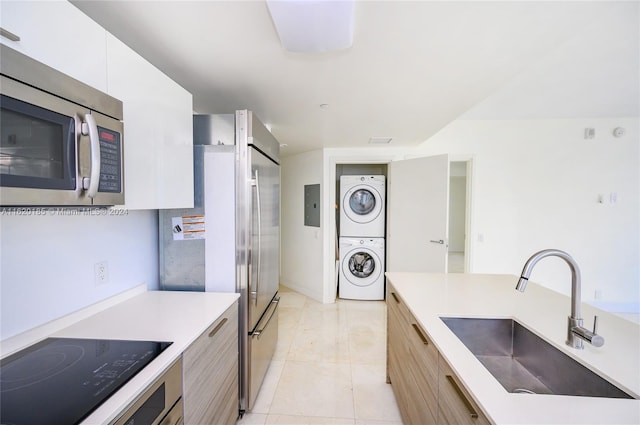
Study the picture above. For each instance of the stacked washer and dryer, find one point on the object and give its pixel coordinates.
(361, 241)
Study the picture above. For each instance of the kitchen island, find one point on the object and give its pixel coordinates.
(428, 297)
(178, 317)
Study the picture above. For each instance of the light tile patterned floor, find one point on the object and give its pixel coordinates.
(329, 366)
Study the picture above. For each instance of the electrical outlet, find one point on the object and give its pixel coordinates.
(597, 294)
(101, 272)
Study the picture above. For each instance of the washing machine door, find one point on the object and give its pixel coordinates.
(362, 203)
(362, 267)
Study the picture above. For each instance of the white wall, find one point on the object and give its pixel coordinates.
(47, 263)
(536, 185)
(301, 247)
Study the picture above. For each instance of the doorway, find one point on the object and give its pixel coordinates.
(348, 230)
(459, 195)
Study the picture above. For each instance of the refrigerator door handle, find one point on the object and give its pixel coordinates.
(255, 182)
(258, 332)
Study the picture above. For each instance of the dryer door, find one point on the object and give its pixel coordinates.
(362, 203)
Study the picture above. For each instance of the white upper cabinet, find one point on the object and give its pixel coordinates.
(158, 131)
(158, 113)
(58, 34)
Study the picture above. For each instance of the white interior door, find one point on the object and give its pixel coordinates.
(418, 214)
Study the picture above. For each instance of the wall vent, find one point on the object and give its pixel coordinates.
(380, 140)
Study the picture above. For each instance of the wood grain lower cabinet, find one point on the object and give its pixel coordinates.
(411, 369)
(210, 373)
(455, 405)
(425, 387)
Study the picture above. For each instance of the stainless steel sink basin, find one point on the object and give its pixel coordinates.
(524, 363)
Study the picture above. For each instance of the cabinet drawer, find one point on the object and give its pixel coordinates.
(456, 407)
(424, 355)
(394, 370)
(424, 361)
(210, 367)
(412, 385)
(396, 303)
(414, 409)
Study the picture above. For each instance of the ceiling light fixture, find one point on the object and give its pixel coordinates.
(313, 26)
(380, 140)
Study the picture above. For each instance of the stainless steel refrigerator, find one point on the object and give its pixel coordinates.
(230, 240)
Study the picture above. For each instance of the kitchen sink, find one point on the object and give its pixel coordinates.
(525, 363)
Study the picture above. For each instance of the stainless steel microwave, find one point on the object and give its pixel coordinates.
(61, 140)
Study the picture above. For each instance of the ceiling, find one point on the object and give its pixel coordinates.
(413, 68)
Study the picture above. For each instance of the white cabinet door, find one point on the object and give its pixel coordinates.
(158, 131)
(58, 34)
(417, 214)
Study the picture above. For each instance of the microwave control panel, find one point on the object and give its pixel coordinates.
(110, 161)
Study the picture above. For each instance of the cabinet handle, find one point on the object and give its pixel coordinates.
(217, 328)
(395, 297)
(8, 34)
(465, 400)
(424, 339)
(165, 421)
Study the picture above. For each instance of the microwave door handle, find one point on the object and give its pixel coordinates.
(89, 127)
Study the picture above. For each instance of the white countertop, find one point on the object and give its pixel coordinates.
(543, 311)
(179, 317)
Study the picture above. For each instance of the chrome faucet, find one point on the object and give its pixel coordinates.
(575, 332)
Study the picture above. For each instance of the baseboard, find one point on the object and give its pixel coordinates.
(306, 291)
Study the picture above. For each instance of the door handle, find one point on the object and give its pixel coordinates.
(259, 332)
(255, 182)
(441, 241)
(90, 128)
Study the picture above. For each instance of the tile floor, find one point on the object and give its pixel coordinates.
(329, 366)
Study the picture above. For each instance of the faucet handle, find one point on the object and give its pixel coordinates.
(575, 328)
(596, 340)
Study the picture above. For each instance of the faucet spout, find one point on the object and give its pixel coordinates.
(576, 303)
(522, 283)
(575, 332)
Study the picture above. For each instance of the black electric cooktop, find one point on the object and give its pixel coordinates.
(62, 380)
